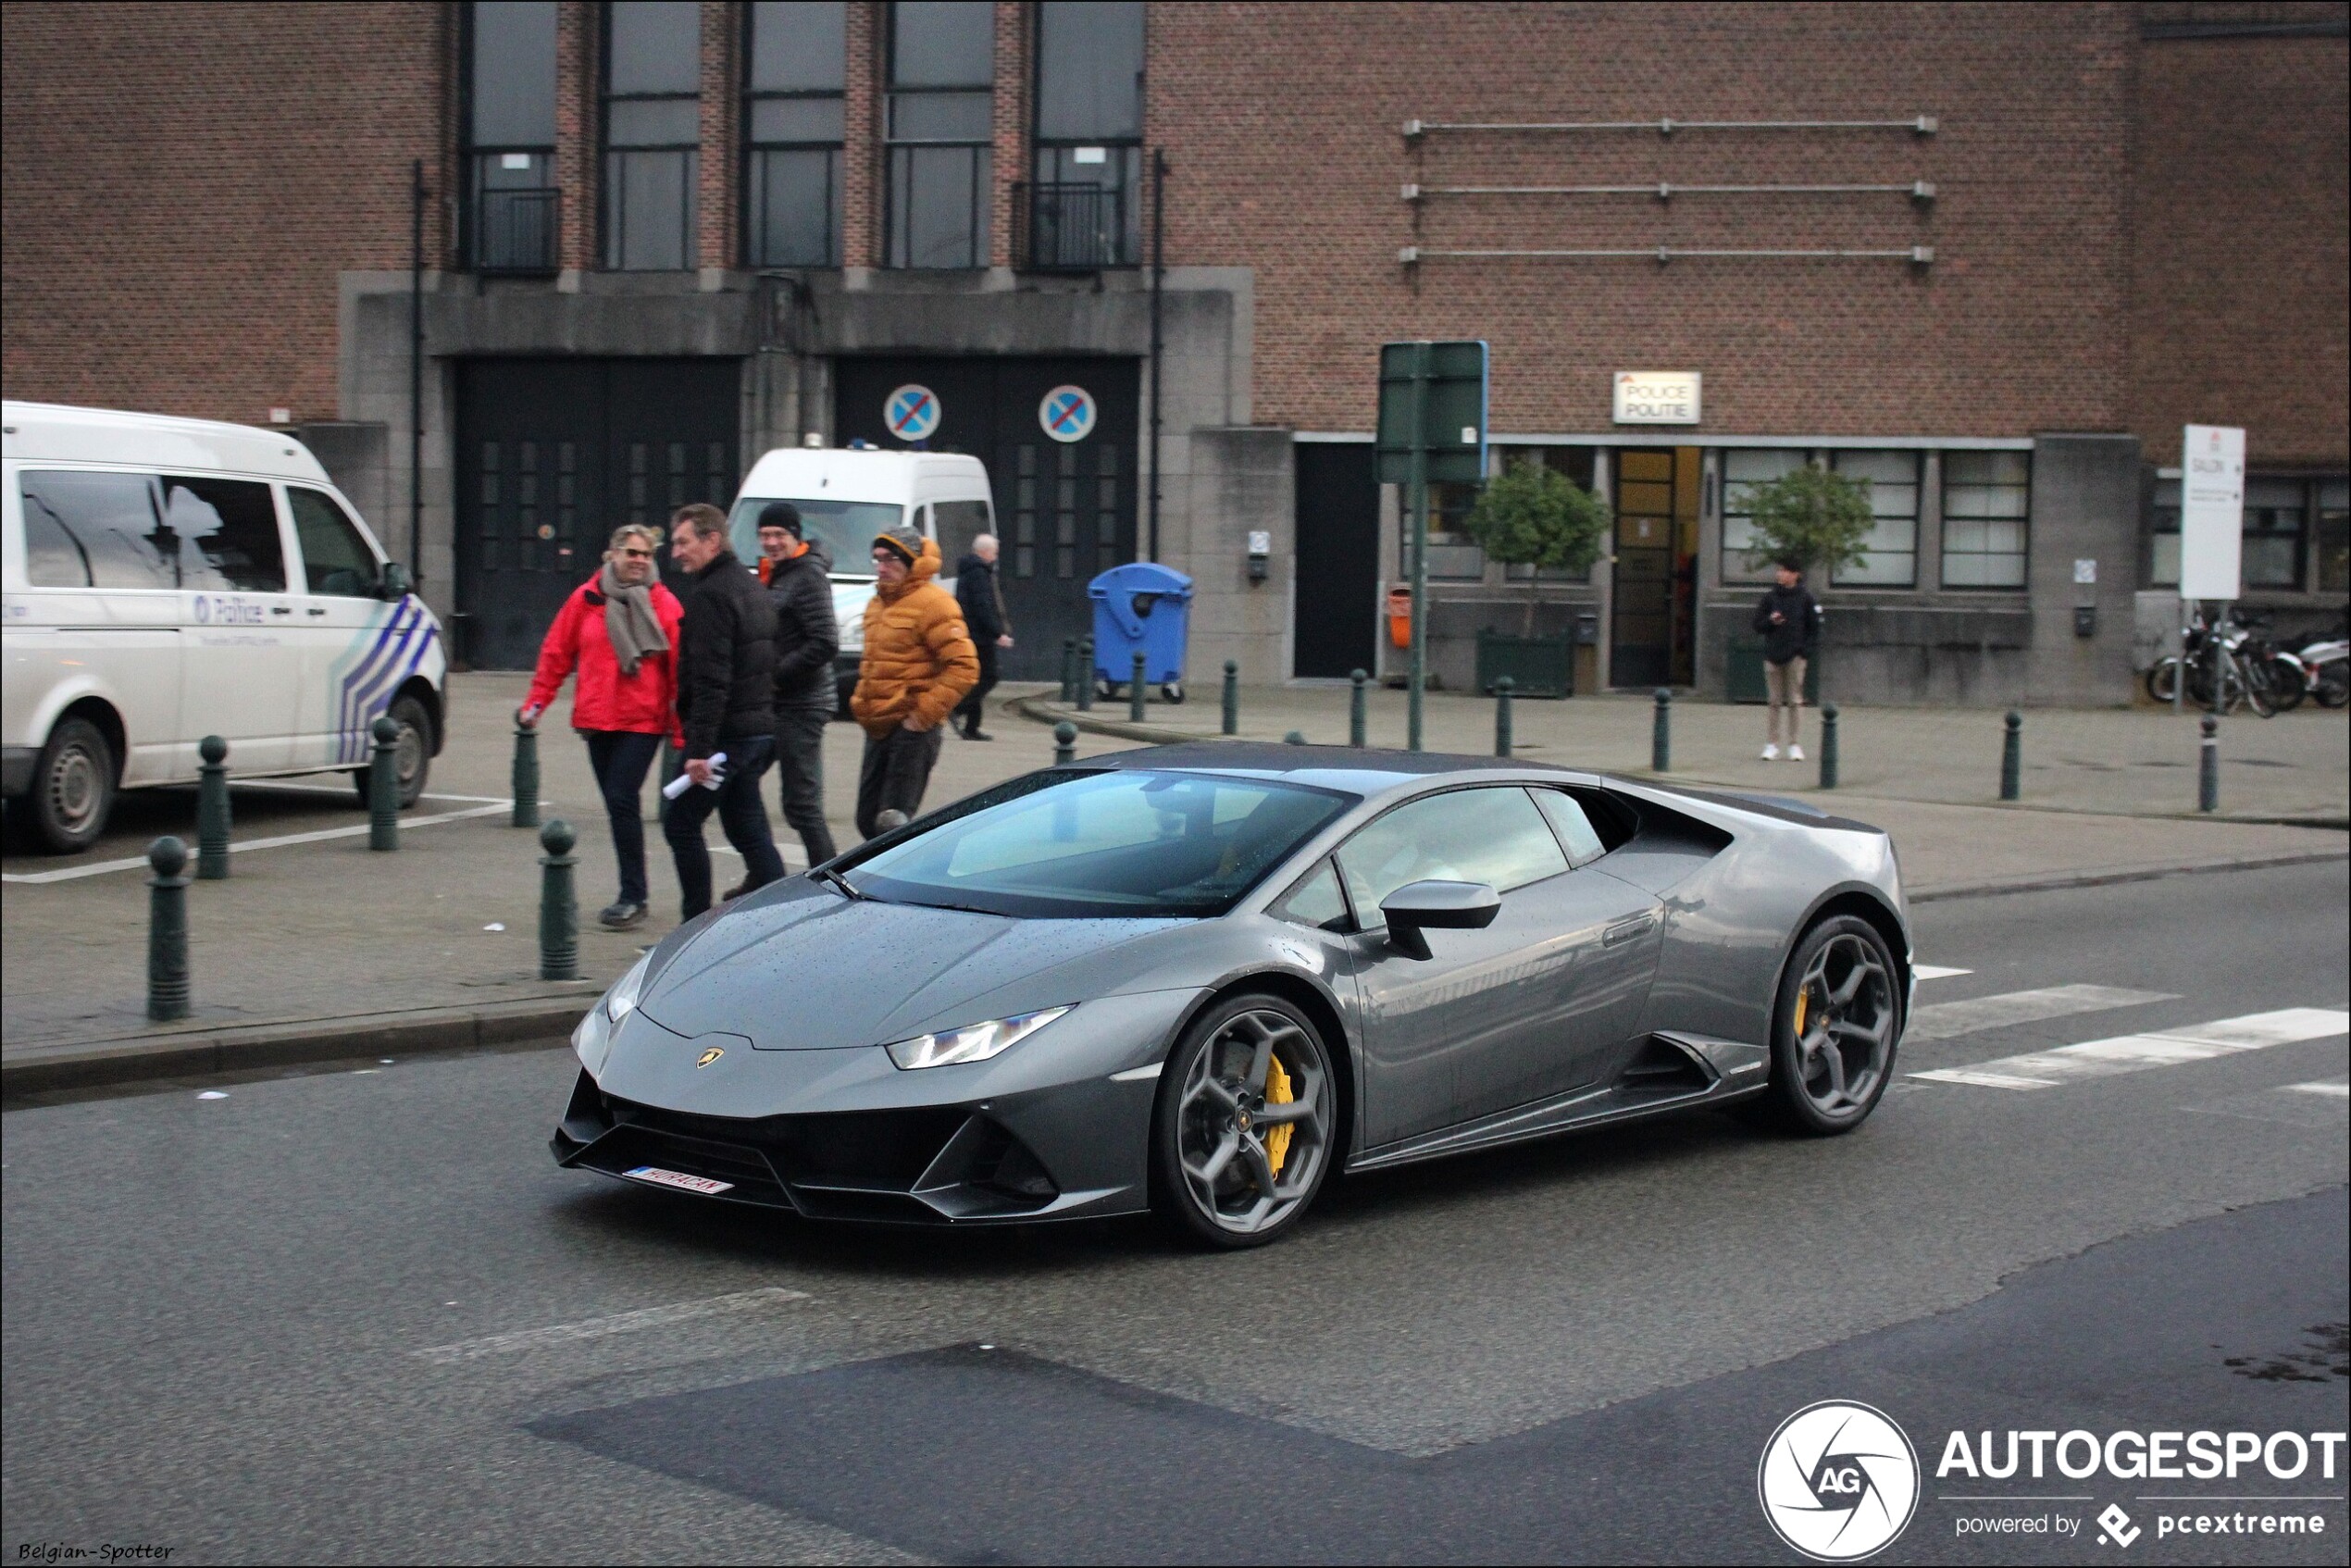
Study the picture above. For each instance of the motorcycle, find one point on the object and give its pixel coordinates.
(2326, 668)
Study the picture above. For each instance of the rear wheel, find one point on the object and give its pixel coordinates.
(1835, 1029)
(2163, 678)
(2334, 683)
(2288, 685)
(411, 753)
(73, 785)
(1243, 1133)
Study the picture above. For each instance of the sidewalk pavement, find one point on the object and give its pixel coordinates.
(320, 950)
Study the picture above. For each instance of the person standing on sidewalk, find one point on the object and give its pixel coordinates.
(917, 666)
(617, 631)
(1788, 619)
(798, 576)
(981, 598)
(726, 704)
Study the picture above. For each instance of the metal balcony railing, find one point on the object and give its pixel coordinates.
(1069, 227)
(516, 231)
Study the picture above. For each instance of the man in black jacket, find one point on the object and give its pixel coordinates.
(727, 705)
(983, 604)
(798, 578)
(1788, 619)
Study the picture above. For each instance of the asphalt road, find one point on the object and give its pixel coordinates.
(298, 1323)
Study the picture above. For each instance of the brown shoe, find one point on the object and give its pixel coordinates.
(738, 891)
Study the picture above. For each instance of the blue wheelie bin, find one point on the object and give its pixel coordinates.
(1141, 605)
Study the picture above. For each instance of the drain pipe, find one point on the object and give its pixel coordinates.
(1159, 281)
(416, 373)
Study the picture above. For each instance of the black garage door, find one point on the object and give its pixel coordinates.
(1065, 509)
(552, 454)
(1338, 579)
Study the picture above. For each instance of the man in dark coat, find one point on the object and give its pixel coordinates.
(726, 705)
(982, 598)
(1789, 620)
(797, 573)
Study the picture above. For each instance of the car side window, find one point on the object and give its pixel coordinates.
(1317, 901)
(1493, 835)
(94, 530)
(1575, 829)
(958, 522)
(335, 559)
(228, 532)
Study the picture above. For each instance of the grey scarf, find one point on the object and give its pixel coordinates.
(629, 620)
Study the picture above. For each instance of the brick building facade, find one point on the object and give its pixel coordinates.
(1991, 257)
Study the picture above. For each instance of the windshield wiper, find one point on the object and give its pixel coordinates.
(832, 878)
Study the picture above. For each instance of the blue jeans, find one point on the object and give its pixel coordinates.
(740, 814)
(621, 758)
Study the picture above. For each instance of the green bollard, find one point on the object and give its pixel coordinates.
(1357, 716)
(1828, 745)
(525, 784)
(383, 786)
(1064, 742)
(2207, 771)
(1135, 690)
(1085, 675)
(167, 930)
(1232, 697)
(1502, 688)
(212, 810)
(1069, 671)
(2012, 757)
(1661, 733)
(559, 912)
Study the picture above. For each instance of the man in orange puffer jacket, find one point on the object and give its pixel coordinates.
(917, 666)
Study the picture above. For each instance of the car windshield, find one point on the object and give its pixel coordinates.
(845, 528)
(1125, 842)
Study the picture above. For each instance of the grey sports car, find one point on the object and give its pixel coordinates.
(1201, 978)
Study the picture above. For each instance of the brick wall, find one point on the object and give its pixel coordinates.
(180, 186)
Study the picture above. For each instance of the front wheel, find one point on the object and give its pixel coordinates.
(1833, 1032)
(73, 786)
(2288, 684)
(2334, 684)
(411, 752)
(1245, 1123)
(2163, 678)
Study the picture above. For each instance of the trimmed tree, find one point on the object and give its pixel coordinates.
(1812, 516)
(1533, 516)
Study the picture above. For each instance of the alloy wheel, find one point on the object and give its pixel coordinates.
(1844, 1017)
(1254, 1121)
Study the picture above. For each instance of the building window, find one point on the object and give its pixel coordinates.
(2272, 541)
(510, 219)
(794, 69)
(1988, 497)
(1893, 544)
(941, 114)
(2276, 512)
(1742, 471)
(2333, 540)
(1575, 463)
(653, 134)
(1083, 207)
(1452, 555)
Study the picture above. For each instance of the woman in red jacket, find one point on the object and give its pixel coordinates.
(619, 630)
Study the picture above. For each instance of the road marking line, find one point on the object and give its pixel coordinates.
(1936, 971)
(2338, 1088)
(1946, 1019)
(281, 841)
(344, 791)
(2132, 1053)
(600, 1327)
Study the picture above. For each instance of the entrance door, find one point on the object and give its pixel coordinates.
(556, 454)
(1654, 601)
(1337, 581)
(1065, 510)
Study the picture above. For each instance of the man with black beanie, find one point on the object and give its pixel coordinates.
(797, 573)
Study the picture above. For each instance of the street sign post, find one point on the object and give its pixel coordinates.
(2211, 531)
(1432, 430)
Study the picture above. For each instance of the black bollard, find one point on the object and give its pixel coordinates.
(2207, 772)
(1828, 745)
(2012, 757)
(383, 786)
(1064, 742)
(212, 810)
(558, 911)
(1069, 669)
(1294, 738)
(1232, 697)
(1135, 690)
(1358, 713)
(167, 930)
(1085, 675)
(526, 782)
(1661, 733)
(1502, 688)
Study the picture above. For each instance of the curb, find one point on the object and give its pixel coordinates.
(2108, 879)
(429, 1031)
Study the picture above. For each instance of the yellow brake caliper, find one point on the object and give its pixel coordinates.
(1803, 998)
(1277, 1092)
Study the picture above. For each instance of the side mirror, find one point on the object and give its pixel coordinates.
(397, 585)
(1417, 907)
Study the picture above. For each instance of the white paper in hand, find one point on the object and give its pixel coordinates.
(684, 782)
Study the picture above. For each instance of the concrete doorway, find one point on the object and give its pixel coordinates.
(1652, 640)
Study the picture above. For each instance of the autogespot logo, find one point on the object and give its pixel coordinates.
(1838, 1481)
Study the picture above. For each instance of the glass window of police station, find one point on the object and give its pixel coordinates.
(942, 113)
(1575, 463)
(1084, 206)
(2285, 519)
(509, 220)
(1742, 471)
(794, 69)
(1892, 558)
(653, 134)
(1987, 500)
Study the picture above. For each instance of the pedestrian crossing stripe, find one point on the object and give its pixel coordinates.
(1943, 1020)
(2162, 1048)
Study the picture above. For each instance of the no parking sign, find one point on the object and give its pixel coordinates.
(912, 411)
(1067, 413)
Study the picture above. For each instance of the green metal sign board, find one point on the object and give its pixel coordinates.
(1450, 379)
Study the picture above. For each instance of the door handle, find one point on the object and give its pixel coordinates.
(279, 610)
(317, 610)
(1626, 931)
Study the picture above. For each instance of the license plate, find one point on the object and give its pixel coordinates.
(679, 1181)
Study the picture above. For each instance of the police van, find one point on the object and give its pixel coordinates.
(166, 580)
(845, 497)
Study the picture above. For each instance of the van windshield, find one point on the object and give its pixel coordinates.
(845, 528)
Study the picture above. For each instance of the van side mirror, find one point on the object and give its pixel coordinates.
(396, 584)
(1417, 907)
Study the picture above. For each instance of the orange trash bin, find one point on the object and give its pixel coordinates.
(1399, 616)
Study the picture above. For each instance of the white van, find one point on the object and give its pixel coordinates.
(166, 580)
(846, 495)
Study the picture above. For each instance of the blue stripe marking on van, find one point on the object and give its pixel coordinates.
(379, 658)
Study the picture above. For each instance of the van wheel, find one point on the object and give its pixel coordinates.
(411, 753)
(73, 786)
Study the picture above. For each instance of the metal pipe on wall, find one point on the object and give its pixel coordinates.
(416, 373)
(1158, 276)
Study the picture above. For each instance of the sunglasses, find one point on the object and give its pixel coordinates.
(640, 553)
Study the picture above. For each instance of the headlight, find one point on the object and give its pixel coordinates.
(621, 1001)
(973, 1043)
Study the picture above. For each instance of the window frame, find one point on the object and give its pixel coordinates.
(2023, 520)
(1123, 155)
(1731, 563)
(754, 154)
(1918, 507)
(898, 187)
(474, 157)
(612, 228)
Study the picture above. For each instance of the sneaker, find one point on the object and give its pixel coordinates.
(978, 735)
(620, 917)
(738, 891)
(1795, 752)
(1771, 753)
